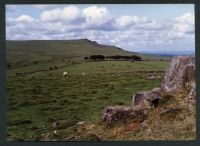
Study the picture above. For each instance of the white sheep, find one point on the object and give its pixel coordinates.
(83, 73)
(65, 74)
(151, 77)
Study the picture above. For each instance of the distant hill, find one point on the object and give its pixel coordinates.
(34, 50)
(167, 53)
(82, 47)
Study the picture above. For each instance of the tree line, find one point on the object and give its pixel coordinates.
(115, 57)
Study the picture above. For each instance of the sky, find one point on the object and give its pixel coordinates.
(150, 28)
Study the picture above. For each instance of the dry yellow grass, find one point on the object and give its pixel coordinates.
(177, 125)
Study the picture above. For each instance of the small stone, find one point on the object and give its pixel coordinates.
(80, 123)
(149, 130)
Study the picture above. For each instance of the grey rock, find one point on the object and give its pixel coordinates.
(113, 114)
(147, 97)
(180, 72)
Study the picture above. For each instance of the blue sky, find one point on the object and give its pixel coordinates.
(137, 27)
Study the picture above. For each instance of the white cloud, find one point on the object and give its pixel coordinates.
(24, 19)
(91, 18)
(97, 16)
(186, 18)
(150, 25)
(184, 23)
(182, 26)
(126, 21)
(136, 22)
(68, 14)
(21, 20)
(97, 23)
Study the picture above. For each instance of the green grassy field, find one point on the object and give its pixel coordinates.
(38, 98)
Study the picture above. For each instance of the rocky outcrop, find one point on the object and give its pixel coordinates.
(121, 113)
(179, 78)
(149, 96)
(180, 73)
